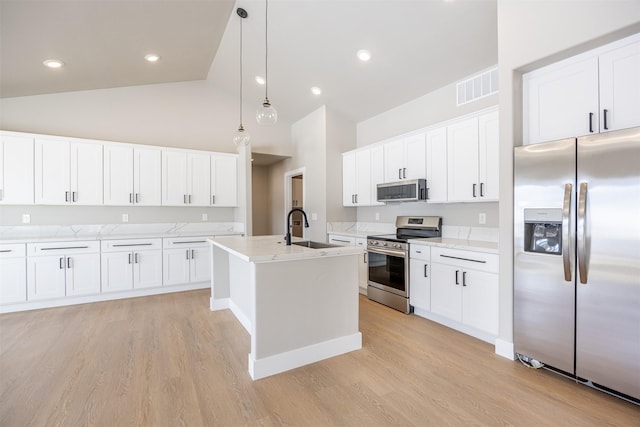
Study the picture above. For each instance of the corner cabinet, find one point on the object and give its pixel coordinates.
(186, 260)
(16, 170)
(68, 173)
(472, 158)
(597, 91)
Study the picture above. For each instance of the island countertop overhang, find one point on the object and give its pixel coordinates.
(273, 248)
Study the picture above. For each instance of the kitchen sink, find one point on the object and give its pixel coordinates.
(314, 245)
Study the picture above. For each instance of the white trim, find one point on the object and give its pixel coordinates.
(242, 318)
(288, 176)
(218, 304)
(303, 356)
(107, 296)
(505, 349)
(461, 327)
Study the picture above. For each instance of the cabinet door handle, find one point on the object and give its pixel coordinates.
(365, 257)
(189, 198)
(193, 253)
(474, 190)
(130, 197)
(187, 253)
(66, 196)
(74, 196)
(69, 264)
(591, 122)
(137, 197)
(425, 270)
(136, 258)
(457, 282)
(482, 189)
(1, 193)
(61, 263)
(404, 172)
(464, 278)
(604, 119)
(213, 200)
(400, 173)
(129, 257)
(184, 199)
(356, 199)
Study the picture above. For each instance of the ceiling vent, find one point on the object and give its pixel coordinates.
(477, 86)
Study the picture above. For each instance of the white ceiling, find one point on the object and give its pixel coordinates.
(417, 46)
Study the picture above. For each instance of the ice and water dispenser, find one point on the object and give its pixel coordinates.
(543, 231)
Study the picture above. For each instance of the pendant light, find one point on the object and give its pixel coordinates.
(266, 115)
(241, 137)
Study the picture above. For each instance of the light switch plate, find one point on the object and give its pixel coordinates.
(205, 216)
(314, 217)
(125, 217)
(377, 216)
(26, 218)
(482, 218)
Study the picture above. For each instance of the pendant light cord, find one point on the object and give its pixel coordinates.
(266, 51)
(241, 19)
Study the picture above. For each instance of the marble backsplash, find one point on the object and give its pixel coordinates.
(484, 234)
(107, 230)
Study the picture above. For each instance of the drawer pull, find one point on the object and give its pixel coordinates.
(66, 247)
(192, 241)
(132, 244)
(464, 259)
(6, 251)
(340, 240)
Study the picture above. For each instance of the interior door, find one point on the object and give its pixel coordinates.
(608, 289)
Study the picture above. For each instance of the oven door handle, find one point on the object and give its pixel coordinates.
(398, 254)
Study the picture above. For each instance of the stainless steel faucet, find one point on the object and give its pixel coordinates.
(287, 238)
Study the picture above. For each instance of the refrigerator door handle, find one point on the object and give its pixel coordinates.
(582, 231)
(566, 250)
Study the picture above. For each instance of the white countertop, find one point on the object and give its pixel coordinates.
(469, 245)
(27, 239)
(273, 248)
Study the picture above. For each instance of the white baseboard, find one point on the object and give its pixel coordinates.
(219, 304)
(107, 296)
(505, 349)
(303, 356)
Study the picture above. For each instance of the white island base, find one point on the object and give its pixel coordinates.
(299, 305)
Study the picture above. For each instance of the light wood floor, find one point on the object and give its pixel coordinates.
(168, 361)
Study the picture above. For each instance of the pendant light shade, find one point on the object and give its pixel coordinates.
(241, 137)
(266, 115)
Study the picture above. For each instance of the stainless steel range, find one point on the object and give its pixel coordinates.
(388, 260)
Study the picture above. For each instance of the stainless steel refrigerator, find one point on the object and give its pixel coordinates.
(577, 258)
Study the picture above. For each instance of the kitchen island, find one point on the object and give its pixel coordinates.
(300, 305)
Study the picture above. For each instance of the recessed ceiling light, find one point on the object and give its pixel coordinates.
(364, 55)
(152, 57)
(316, 90)
(53, 63)
(260, 80)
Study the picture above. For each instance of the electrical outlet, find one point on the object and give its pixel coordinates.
(314, 217)
(377, 216)
(205, 217)
(482, 218)
(26, 218)
(125, 217)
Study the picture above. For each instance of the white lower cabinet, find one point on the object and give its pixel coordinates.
(186, 260)
(60, 269)
(420, 278)
(13, 273)
(131, 264)
(363, 267)
(464, 287)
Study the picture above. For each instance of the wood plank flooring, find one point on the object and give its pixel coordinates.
(167, 360)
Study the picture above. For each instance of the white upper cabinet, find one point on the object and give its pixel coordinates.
(224, 180)
(405, 158)
(132, 175)
(598, 91)
(349, 179)
(16, 170)
(472, 157)
(436, 140)
(356, 170)
(620, 88)
(68, 172)
(186, 178)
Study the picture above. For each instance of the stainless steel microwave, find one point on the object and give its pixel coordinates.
(402, 191)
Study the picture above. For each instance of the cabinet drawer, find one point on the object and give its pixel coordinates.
(339, 239)
(12, 250)
(131, 245)
(422, 252)
(184, 242)
(465, 259)
(66, 248)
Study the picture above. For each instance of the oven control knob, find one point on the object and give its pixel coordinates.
(397, 246)
(384, 244)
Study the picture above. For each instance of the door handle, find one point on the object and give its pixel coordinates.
(187, 253)
(137, 197)
(566, 249)
(66, 196)
(129, 257)
(130, 197)
(474, 190)
(61, 263)
(189, 198)
(482, 189)
(213, 200)
(464, 278)
(193, 253)
(356, 199)
(604, 119)
(457, 281)
(184, 199)
(591, 122)
(582, 233)
(404, 172)
(425, 270)
(364, 257)
(400, 173)
(136, 258)
(69, 263)
(74, 196)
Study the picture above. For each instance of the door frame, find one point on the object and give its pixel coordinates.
(288, 196)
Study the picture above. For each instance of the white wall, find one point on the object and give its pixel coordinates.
(341, 137)
(532, 34)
